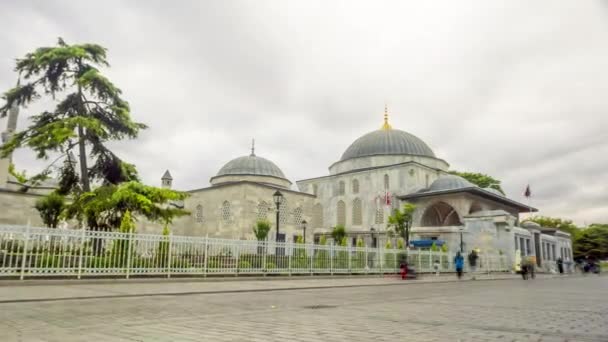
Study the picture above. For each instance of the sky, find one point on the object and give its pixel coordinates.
(514, 89)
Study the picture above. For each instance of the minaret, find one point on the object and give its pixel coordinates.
(166, 180)
(11, 127)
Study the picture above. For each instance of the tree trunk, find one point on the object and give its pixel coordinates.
(84, 171)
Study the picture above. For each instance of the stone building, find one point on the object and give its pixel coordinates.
(376, 174)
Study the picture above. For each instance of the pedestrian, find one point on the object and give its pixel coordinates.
(403, 268)
(436, 267)
(473, 262)
(459, 263)
(560, 265)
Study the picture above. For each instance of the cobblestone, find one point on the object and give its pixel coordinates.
(569, 309)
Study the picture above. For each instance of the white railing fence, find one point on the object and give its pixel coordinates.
(30, 252)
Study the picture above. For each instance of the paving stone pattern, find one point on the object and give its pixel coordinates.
(568, 309)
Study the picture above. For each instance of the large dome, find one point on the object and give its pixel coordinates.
(387, 141)
(251, 165)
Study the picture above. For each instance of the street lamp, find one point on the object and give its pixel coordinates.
(278, 199)
(303, 225)
(461, 243)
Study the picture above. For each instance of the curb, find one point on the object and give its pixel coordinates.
(190, 293)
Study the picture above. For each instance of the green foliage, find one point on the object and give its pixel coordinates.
(89, 113)
(271, 266)
(434, 247)
(360, 242)
(322, 240)
(105, 207)
(480, 179)
(120, 247)
(338, 233)
(244, 264)
(401, 221)
(444, 248)
(50, 209)
(388, 245)
(20, 176)
(162, 253)
(592, 242)
(261, 229)
(300, 258)
(400, 244)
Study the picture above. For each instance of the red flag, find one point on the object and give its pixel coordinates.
(387, 199)
(528, 193)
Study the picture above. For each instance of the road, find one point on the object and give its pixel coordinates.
(568, 309)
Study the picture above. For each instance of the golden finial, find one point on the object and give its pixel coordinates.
(386, 126)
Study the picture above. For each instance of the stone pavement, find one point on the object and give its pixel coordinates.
(31, 290)
(545, 309)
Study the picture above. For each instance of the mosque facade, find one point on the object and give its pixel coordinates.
(375, 175)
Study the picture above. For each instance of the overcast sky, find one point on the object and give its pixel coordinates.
(514, 89)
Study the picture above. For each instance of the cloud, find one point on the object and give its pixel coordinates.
(514, 89)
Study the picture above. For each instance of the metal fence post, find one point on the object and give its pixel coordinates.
(312, 256)
(264, 257)
(289, 253)
(380, 254)
(205, 257)
(366, 260)
(419, 261)
(130, 241)
(169, 251)
(25, 246)
(350, 269)
(82, 237)
(331, 259)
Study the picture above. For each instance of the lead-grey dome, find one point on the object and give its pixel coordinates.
(387, 142)
(251, 165)
(450, 182)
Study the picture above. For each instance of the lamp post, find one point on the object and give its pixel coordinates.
(278, 199)
(374, 240)
(461, 243)
(303, 225)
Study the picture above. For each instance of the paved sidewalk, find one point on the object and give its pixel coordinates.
(49, 290)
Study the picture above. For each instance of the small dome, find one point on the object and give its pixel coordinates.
(450, 182)
(530, 225)
(251, 165)
(387, 142)
(494, 191)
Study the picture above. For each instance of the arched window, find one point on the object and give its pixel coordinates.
(341, 188)
(317, 216)
(297, 216)
(341, 213)
(284, 212)
(355, 186)
(199, 214)
(386, 182)
(226, 213)
(315, 189)
(440, 214)
(357, 215)
(262, 213)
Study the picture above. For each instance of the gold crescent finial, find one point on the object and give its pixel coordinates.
(386, 126)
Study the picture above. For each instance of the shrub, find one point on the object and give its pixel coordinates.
(444, 248)
(244, 264)
(270, 266)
